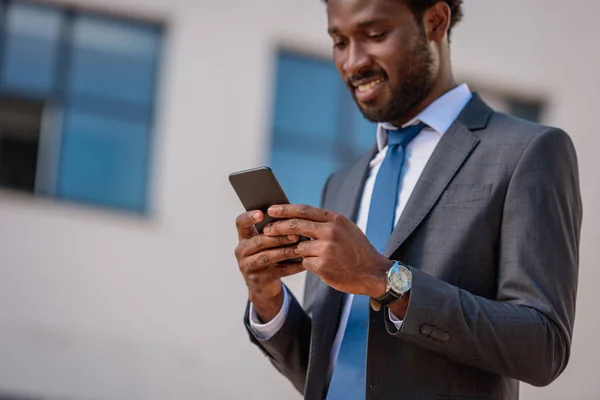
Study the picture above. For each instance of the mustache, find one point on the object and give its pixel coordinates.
(363, 75)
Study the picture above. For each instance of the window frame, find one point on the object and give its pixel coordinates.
(58, 99)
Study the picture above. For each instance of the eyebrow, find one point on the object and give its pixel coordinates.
(363, 24)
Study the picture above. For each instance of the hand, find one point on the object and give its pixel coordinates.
(340, 254)
(258, 257)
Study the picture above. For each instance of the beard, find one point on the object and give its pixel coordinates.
(415, 82)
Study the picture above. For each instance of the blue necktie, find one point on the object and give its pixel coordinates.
(349, 376)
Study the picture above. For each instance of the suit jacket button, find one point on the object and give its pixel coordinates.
(425, 330)
(445, 337)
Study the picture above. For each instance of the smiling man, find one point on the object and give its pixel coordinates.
(444, 264)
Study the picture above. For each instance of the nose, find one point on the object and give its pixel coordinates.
(356, 59)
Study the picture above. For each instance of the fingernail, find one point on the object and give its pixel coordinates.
(256, 216)
(267, 228)
(296, 250)
(273, 210)
(292, 238)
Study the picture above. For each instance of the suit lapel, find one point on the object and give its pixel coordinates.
(350, 194)
(451, 152)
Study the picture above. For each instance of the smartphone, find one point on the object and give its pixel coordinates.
(258, 189)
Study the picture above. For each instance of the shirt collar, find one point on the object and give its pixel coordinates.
(439, 115)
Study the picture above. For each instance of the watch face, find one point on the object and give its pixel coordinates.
(400, 279)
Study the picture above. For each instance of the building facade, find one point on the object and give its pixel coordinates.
(117, 274)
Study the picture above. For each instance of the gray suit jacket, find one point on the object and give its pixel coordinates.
(492, 232)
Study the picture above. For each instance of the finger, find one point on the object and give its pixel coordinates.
(287, 211)
(309, 248)
(266, 258)
(294, 226)
(310, 264)
(245, 224)
(259, 243)
(288, 269)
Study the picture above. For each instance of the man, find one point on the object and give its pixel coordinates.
(444, 264)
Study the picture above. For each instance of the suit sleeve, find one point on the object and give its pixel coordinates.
(525, 333)
(288, 349)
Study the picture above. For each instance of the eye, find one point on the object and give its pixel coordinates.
(376, 35)
(339, 44)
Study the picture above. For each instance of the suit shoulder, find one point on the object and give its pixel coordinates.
(510, 129)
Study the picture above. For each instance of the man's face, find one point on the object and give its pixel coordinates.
(383, 55)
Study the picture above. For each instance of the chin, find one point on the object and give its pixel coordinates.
(374, 113)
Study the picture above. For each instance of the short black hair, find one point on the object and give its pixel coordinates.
(419, 7)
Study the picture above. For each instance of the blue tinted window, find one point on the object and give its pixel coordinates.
(317, 127)
(104, 161)
(305, 146)
(113, 59)
(306, 98)
(301, 175)
(99, 73)
(31, 52)
(365, 132)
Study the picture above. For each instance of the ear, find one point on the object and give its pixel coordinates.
(437, 21)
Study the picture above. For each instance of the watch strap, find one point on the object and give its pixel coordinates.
(388, 298)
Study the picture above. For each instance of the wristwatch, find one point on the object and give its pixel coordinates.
(398, 283)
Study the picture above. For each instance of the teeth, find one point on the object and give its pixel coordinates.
(370, 85)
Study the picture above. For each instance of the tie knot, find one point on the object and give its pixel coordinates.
(401, 137)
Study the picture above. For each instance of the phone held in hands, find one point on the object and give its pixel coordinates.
(258, 189)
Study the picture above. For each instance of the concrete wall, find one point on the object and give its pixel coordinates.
(98, 305)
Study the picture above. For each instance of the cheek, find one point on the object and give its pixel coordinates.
(391, 60)
(434, 66)
(394, 66)
(339, 59)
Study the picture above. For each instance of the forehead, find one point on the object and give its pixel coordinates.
(346, 14)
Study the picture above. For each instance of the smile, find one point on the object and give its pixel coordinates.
(370, 85)
(368, 91)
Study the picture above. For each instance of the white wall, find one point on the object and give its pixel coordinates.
(102, 306)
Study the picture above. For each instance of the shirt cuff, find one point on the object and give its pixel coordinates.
(397, 322)
(266, 331)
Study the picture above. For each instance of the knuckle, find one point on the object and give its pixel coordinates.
(306, 246)
(316, 266)
(259, 241)
(310, 225)
(264, 259)
(304, 209)
(286, 252)
(331, 232)
(238, 220)
(316, 226)
(330, 250)
(254, 279)
(294, 223)
(280, 239)
(320, 263)
(302, 246)
(243, 266)
(307, 265)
